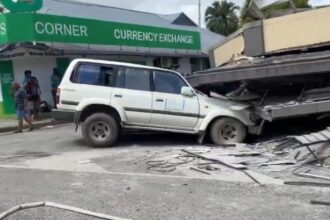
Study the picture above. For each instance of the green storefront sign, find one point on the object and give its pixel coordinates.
(22, 27)
(22, 5)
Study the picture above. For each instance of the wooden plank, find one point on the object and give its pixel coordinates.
(279, 162)
(245, 154)
(302, 183)
(314, 202)
(225, 164)
(309, 175)
(199, 170)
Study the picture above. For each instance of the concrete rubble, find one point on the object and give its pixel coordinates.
(292, 160)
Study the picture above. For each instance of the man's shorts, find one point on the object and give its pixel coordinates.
(33, 107)
(21, 114)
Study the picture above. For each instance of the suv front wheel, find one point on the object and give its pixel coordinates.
(100, 130)
(227, 131)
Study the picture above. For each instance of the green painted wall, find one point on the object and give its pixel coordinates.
(62, 64)
(7, 77)
(1, 109)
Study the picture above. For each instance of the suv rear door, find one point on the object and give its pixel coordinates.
(170, 108)
(88, 81)
(133, 94)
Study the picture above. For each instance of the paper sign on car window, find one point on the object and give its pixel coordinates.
(174, 105)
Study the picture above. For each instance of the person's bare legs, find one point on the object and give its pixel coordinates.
(32, 118)
(20, 125)
(28, 120)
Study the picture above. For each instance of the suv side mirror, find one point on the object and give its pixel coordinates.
(187, 91)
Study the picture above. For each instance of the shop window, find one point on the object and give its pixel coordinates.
(167, 82)
(195, 65)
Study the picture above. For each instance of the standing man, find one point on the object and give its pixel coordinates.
(55, 82)
(20, 106)
(33, 92)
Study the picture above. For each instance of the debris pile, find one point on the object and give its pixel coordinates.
(273, 162)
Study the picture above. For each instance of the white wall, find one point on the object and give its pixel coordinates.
(185, 67)
(41, 67)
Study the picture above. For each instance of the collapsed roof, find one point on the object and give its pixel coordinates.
(250, 68)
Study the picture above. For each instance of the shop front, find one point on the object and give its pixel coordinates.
(53, 41)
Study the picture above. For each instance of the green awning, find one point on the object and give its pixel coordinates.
(30, 27)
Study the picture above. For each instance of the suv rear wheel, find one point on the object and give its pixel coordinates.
(227, 131)
(100, 130)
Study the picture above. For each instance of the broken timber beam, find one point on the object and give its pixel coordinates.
(314, 202)
(303, 183)
(309, 175)
(241, 169)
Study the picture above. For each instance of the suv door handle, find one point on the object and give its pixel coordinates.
(118, 96)
(159, 100)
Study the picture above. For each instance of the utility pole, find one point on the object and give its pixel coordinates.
(200, 27)
(199, 15)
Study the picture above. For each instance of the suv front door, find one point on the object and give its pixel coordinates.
(170, 108)
(133, 94)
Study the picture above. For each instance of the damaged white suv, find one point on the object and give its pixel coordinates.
(106, 97)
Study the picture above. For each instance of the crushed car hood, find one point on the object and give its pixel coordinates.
(222, 102)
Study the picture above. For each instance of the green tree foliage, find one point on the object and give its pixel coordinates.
(221, 17)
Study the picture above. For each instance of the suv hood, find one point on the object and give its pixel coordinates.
(219, 102)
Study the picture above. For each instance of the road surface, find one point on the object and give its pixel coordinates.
(54, 164)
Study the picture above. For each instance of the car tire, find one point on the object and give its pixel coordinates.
(100, 130)
(227, 131)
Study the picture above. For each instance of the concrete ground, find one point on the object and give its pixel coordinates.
(11, 124)
(54, 164)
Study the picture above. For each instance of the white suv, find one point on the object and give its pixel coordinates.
(106, 97)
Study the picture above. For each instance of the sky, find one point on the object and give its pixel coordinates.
(190, 7)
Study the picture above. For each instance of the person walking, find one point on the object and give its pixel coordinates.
(33, 92)
(55, 80)
(20, 107)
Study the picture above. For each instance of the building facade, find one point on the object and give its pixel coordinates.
(63, 30)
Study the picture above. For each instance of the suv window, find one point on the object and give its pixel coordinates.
(136, 79)
(120, 81)
(107, 76)
(87, 74)
(167, 82)
(94, 75)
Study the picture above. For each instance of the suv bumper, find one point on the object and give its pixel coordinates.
(63, 115)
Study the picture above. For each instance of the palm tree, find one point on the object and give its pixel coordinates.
(221, 17)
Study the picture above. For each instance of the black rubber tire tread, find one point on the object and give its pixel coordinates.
(105, 118)
(216, 136)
